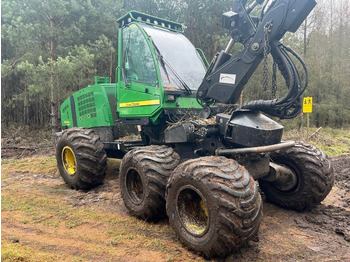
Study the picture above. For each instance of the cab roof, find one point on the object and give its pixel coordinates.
(134, 16)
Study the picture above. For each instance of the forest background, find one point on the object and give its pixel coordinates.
(52, 48)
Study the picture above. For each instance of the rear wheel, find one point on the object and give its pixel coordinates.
(313, 176)
(81, 159)
(213, 204)
(144, 173)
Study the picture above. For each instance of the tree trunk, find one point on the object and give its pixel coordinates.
(53, 98)
(25, 104)
(305, 37)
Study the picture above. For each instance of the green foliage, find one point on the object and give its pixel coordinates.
(59, 45)
(70, 41)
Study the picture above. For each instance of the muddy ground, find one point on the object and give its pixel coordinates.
(320, 234)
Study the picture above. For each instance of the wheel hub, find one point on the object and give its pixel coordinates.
(134, 186)
(69, 160)
(192, 210)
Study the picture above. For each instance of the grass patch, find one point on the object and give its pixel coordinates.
(74, 223)
(45, 165)
(50, 211)
(13, 252)
(333, 142)
(122, 238)
(157, 245)
(34, 165)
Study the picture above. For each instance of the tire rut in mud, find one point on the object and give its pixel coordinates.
(333, 218)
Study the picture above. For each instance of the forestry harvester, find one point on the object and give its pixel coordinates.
(198, 157)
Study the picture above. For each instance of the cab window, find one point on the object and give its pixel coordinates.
(138, 64)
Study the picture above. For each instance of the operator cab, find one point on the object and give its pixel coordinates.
(155, 52)
(159, 70)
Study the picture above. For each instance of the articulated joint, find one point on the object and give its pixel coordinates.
(282, 177)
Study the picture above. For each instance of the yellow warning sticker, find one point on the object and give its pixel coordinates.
(307, 104)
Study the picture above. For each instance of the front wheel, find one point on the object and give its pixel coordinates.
(213, 204)
(81, 158)
(313, 174)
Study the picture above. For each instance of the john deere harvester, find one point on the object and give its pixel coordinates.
(198, 157)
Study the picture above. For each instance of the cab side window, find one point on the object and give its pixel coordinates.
(138, 64)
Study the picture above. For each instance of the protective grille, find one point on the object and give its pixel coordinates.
(86, 104)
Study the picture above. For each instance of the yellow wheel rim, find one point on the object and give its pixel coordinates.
(68, 160)
(192, 210)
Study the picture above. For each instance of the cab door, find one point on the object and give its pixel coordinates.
(138, 92)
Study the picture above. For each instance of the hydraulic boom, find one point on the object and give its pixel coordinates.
(227, 75)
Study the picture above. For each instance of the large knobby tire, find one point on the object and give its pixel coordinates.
(314, 177)
(214, 205)
(144, 173)
(81, 159)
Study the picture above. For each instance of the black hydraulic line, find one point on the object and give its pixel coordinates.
(290, 69)
(294, 91)
(284, 65)
(280, 107)
(301, 61)
(301, 88)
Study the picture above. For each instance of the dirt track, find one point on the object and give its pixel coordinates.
(321, 234)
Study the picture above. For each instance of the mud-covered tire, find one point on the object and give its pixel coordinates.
(144, 173)
(214, 205)
(314, 177)
(89, 157)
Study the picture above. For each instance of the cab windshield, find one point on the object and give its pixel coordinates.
(181, 61)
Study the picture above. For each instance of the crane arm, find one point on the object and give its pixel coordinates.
(227, 74)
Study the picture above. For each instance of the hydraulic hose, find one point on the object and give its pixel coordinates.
(294, 91)
(306, 70)
(271, 106)
(282, 107)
